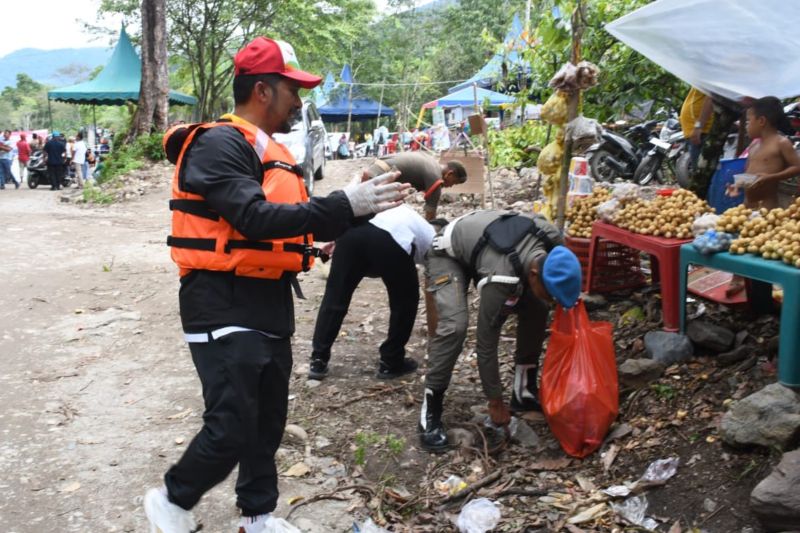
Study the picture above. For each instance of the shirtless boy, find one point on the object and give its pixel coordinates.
(771, 158)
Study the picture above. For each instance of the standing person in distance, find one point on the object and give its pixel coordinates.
(79, 163)
(423, 172)
(54, 150)
(241, 230)
(6, 160)
(23, 156)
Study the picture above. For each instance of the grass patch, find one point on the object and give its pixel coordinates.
(95, 195)
(129, 157)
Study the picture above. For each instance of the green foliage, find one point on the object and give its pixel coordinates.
(391, 444)
(128, 157)
(95, 195)
(626, 79)
(665, 392)
(512, 146)
(405, 44)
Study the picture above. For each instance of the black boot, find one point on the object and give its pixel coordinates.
(318, 368)
(432, 436)
(525, 396)
(386, 371)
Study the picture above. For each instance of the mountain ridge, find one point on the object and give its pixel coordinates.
(56, 68)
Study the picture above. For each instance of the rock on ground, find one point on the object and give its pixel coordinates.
(639, 373)
(769, 417)
(668, 348)
(776, 500)
(711, 336)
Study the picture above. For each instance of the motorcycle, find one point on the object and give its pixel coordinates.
(37, 171)
(669, 154)
(617, 156)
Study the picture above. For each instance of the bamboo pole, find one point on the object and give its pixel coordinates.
(485, 139)
(578, 17)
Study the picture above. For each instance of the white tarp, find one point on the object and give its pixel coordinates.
(732, 48)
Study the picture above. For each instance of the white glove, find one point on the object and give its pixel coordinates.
(376, 195)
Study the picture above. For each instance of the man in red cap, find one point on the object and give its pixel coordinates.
(234, 183)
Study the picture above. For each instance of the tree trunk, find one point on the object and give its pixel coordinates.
(161, 81)
(153, 91)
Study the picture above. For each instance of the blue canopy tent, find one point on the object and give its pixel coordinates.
(322, 93)
(358, 108)
(466, 98)
(351, 105)
(116, 84)
(492, 71)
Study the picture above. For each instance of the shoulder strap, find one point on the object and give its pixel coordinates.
(503, 235)
(284, 166)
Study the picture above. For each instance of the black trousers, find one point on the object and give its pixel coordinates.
(245, 378)
(368, 251)
(55, 172)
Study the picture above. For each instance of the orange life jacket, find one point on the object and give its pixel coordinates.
(202, 239)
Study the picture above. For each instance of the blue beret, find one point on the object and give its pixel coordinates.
(561, 276)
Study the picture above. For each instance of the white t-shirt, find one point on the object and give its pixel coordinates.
(79, 152)
(406, 227)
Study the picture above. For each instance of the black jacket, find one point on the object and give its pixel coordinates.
(222, 167)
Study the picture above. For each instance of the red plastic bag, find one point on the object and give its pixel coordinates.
(579, 390)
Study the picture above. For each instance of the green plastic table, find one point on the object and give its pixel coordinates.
(769, 271)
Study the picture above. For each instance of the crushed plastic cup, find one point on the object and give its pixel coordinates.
(451, 485)
(478, 516)
(658, 472)
(742, 180)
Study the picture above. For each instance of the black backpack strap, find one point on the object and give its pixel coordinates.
(503, 235)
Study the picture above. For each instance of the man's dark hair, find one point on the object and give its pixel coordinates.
(79, 136)
(459, 170)
(243, 85)
(771, 109)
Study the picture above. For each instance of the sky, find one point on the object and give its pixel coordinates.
(57, 24)
(53, 24)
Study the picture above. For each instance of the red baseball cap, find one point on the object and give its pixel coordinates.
(267, 56)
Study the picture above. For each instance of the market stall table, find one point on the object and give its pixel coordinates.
(665, 257)
(766, 270)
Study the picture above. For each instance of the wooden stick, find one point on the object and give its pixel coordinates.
(368, 395)
(329, 496)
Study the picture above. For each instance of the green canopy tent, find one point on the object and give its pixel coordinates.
(116, 84)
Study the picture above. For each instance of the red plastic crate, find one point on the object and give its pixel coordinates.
(617, 266)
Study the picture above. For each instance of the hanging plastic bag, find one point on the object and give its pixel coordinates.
(579, 391)
(554, 109)
(549, 161)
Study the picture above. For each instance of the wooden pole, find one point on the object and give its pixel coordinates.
(578, 16)
(485, 139)
(380, 106)
(349, 108)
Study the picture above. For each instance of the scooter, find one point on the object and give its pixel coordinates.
(668, 154)
(617, 156)
(37, 171)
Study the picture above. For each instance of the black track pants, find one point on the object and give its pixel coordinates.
(369, 251)
(245, 378)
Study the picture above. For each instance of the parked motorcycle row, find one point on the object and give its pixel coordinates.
(644, 153)
(656, 152)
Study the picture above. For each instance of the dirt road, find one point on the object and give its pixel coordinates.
(98, 395)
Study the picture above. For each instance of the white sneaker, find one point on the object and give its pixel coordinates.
(253, 524)
(165, 516)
